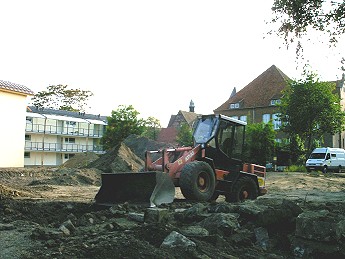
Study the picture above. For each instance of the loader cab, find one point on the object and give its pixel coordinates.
(223, 139)
(205, 129)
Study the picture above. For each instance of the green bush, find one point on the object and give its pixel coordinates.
(296, 168)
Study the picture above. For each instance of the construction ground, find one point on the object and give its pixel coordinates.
(51, 213)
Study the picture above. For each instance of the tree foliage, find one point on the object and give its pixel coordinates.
(123, 122)
(185, 135)
(152, 128)
(260, 140)
(296, 17)
(59, 97)
(310, 108)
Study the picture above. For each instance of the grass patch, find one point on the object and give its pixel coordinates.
(296, 168)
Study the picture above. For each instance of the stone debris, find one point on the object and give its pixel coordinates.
(282, 224)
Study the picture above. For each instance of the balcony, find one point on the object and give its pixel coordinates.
(62, 148)
(64, 131)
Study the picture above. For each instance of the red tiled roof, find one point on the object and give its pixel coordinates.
(167, 135)
(6, 85)
(260, 91)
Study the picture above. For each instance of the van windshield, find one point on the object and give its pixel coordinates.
(317, 155)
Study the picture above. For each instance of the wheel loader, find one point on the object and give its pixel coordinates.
(213, 166)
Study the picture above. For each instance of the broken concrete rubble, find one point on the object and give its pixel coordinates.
(273, 226)
(177, 240)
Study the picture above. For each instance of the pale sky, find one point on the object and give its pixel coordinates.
(154, 55)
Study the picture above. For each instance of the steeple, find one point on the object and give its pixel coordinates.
(233, 93)
(191, 106)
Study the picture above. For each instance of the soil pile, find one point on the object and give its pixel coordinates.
(80, 160)
(139, 145)
(7, 192)
(118, 159)
(70, 177)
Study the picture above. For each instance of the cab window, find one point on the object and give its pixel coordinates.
(230, 139)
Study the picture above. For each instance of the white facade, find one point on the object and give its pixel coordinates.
(13, 104)
(50, 139)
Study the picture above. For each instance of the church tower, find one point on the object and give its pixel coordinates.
(191, 106)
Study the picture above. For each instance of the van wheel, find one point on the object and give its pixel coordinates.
(197, 181)
(339, 169)
(324, 170)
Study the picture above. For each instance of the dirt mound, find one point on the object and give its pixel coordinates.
(139, 145)
(80, 160)
(10, 192)
(70, 177)
(119, 159)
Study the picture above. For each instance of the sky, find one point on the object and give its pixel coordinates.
(154, 55)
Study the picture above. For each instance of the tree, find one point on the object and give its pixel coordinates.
(59, 97)
(123, 122)
(309, 108)
(296, 18)
(260, 139)
(152, 128)
(184, 136)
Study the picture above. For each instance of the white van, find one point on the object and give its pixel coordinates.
(326, 159)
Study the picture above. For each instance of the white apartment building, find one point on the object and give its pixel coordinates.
(54, 136)
(13, 102)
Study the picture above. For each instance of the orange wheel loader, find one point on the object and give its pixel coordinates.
(213, 166)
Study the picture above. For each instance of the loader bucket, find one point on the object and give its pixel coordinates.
(154, 188)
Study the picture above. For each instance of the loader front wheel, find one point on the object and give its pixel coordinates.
(197, 181)
(244, 189)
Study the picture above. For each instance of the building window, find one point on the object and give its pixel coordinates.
(26, 154)
(68, 156)
(234, 105)
(27, 137)
(275, 101)
(266, 118)
(243, 118)
(28, 120)
(276, 121)
(71, 123)
(70, 140)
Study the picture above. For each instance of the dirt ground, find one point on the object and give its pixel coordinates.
(50, 213)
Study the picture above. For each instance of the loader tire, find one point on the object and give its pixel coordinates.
(245, 188)
(197, 181)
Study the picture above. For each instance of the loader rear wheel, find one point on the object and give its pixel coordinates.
(244, 189)
(197, 181)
